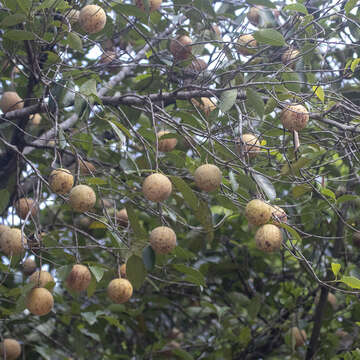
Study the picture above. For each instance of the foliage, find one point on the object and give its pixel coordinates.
(228, 299)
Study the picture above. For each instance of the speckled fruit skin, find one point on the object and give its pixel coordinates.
(181, 47)
(208, 177)
(29, 266)
(82, 198)
(86, 168)
(41, 278)
(122, 218)
(278, 214)
(92, 19)
(245, 45)
(299, 336)
(24, 205)
(157, 187)
(153, 5)
(196, 67)
(107, 57)
(10, 101)
(3, 228)
(11, 348)
(254, 15)
(163, 240)
(10, 242)
(268, 238)
(35, 119)
(205, 104)
(288, 56)
(122, 270)
(250, 144)
(294, 117)
(257, 212)
(166, 145)
(61, 181)
(119, 290)
(79, 278)
(39, 301)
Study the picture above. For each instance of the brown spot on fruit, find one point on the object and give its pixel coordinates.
(79, 278)
(246, 45)
(208, 177)
(166, 145)
(181, 47)
(39, 301)
(25, 205)
(157, 187)
(41, 278)
(82, 198)
(92, 19)
(61, 181)
(10, 349)
(294, 117)
(268, 238)
(12, 243)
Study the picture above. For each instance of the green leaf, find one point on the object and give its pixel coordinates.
(227, 100)
(88, 87)
(346, 198)
(97, 271)
(297, 7)
(291, 80)
(354, 64)
(292, 231)
(194, 276)
(266, 3)
(136, 271)
(255, 100)
(182, 354)
(135, 223)
(117, 131)
(25, 5)
(335, 268)
(12, 20)
(74, 41)
(328, 193)
(351, 281)
(319, 92)
(96, 181)
(266, 185)
(186, 191)
(122, 128)
(19, 35)
(4, 199)
(349, 6)
(203, 214)
(300, 190)
(270, 37)
(149, 258)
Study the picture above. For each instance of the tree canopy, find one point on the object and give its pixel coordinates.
(179, 179)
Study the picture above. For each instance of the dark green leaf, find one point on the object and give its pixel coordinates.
(227, 100)
(98, 271)
(270, 37)
(255, 101)
(149, 258)
(194, 276)
(297, 7)
(12, 20)
(136, 271)
(186, 191)
(19, 35)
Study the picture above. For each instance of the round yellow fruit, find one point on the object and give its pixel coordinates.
(250, 145)
(35, 119)
(10, 349)
(278, 214)
(157, 187)
(289, 56)
(257, 212)
(181, 47)
(208, 177)
(299, 336)
(86, 168)
(92, 19)
(122, 218)
(163, 240)
(197, 66)
(82, 198)
(25, 205)
(10, 101)
(29, 266)
(166, 145)
(39, 301)
(61, 181)
(254, 15)
(153, 5)
(268, 238)
(119, 290)
(205, 104)
(246, 45)
(79, 278)
(294, 117)
(12, 243)
(41, 278)
(107, 57)
(122, 270)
